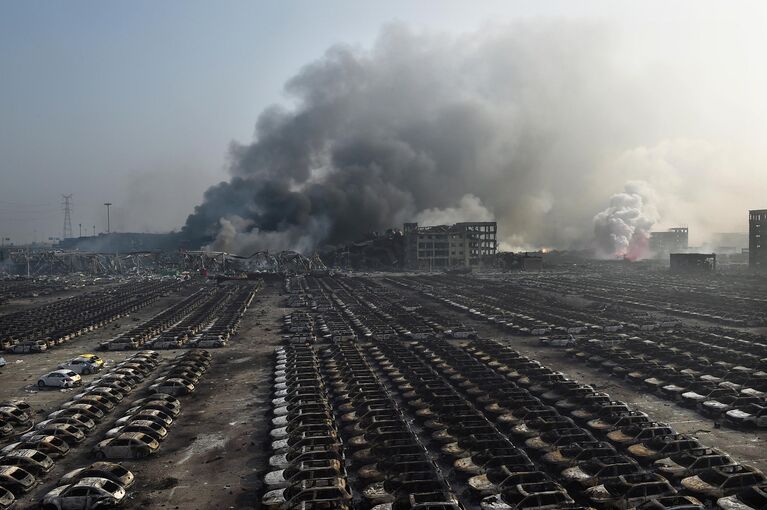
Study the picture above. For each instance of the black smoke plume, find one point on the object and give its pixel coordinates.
(520, 123)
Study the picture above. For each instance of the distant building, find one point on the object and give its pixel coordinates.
(693, 262)
(729, 242)
(674, 240)
(467, 245)
(757, 240)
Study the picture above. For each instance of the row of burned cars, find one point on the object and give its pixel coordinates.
(20, 287)
(721, 373)
(46, 326)
(395, 316)
(207, 318)
(521, 312)
(731, 299)
(425, 422)
(137, 433)
(719, 381)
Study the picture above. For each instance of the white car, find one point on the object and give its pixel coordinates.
(60, 379)
(81, 366)
(85, 494)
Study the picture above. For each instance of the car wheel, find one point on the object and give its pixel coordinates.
(50, 507)
(87, 371)
(41, 384)
(101, 455)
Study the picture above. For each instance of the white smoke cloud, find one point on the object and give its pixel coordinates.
(702, 184)
(239, 235)
(623, 229)
(469, 208)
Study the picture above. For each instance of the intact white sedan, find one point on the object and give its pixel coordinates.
(60, 379)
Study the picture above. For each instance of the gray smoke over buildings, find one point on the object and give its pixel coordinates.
(535, 125)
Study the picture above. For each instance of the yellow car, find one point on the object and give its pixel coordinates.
(93, 359)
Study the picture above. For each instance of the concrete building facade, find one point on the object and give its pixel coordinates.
(468, 244)
(757, 240)
(674, 240)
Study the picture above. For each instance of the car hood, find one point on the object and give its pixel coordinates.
(732, 503)
(737, 413)
(618, 435)
(598, 493)
(667, 463)
(574, 473)
(694, 483)
(494, 503)
(641, 450)
(54, 493)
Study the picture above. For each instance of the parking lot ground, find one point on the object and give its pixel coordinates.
(214, 458)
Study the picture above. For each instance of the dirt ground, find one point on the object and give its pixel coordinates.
(214, 458)
(213, 455)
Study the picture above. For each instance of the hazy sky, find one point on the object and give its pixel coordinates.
(136, 102)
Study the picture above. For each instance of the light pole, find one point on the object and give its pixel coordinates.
(108, 204)
(81, 229)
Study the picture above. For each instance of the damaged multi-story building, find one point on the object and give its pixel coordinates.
(757, 237)
(463, 245)
(674, 240)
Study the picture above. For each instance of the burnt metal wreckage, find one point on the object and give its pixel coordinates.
(47, 262)
(382, 402)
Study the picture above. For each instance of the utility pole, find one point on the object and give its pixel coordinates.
(81, 229)
(108, 204)
(94, 230)
(67, 205)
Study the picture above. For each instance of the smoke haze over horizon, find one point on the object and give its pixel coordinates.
(539, 125)
(545, 116)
